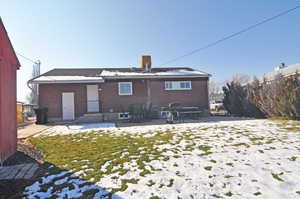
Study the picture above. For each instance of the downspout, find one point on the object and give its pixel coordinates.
(148, 82)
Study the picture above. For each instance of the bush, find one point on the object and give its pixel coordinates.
(237, 101)
(277, 98)
(280, 97)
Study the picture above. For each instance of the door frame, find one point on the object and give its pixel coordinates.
(96, 101)
(72, 104)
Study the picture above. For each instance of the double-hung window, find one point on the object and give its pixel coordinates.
(178, 85)
(125, 88)
(168, 85)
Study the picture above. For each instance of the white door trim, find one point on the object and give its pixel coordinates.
(68, 106)
(92, 94)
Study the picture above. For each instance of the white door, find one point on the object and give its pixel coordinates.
(68, 106)
(92, 98)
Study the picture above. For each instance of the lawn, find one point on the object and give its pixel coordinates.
(221, 159)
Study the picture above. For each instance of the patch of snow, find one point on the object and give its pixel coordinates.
(247, 158)
(73, 129)
(62, 79)
(180, 72)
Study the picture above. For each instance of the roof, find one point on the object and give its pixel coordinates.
(88, 75)
(286, 71)
(67, 79)
(10, 44)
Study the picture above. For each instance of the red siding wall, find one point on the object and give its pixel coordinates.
(8, 109)
(51, 96)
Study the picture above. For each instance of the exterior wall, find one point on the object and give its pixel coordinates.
(50, 96)
(198, 96)
(160, 97)
(112, 101)
(8, 110)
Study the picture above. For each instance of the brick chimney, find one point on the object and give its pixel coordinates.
(146, 63)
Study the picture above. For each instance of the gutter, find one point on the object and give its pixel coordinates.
(154, 77)
(65, 81)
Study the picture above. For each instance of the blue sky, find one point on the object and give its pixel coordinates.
(116, 33)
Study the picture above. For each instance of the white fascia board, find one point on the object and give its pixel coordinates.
(65, 81)
(154, 77)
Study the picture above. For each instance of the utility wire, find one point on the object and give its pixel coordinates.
(28, 59)
(232, 35)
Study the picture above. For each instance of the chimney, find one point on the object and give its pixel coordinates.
(146, 63)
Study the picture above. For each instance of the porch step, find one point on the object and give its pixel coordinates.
(90, 117)
(93, 115)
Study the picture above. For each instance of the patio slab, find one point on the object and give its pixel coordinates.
(31, 130)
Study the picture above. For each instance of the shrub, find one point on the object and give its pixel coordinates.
(279, 97)
(237, 101)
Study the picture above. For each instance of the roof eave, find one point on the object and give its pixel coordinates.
(17, 64)
(65, 81)
(155, 77)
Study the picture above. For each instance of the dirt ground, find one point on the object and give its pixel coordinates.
(13, 189)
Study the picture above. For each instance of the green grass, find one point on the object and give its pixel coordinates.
(277, 176)
(287, 124)
(151, 183)
(230, 164)
(257, 193)
(171, 183)
(94, 149)
(229, 194)
(293, 158)
(208, 168)
(216, 196)
(241, 144)
(292, 129)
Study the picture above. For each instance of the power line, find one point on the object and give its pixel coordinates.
(28, 59)
(232, 35)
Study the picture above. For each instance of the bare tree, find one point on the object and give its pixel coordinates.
(241, 78)
(215, 91)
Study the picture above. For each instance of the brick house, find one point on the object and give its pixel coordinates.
(73, 93)
(9, 64)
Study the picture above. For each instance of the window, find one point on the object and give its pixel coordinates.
(168, 85)
(178, 85)
(185, 85)
(124, 116)
(125, 88)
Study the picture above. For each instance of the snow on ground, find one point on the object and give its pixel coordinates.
(76, 128)
(219, 159)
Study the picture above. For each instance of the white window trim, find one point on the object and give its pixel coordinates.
(125, 83)
(179, 82)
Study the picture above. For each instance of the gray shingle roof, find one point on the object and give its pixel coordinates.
(81, 75)
(94, 72)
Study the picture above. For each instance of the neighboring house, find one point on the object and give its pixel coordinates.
(282, 70)
(72, 93)
(9, 64)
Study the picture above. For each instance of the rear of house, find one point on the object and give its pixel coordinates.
(72, 93)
